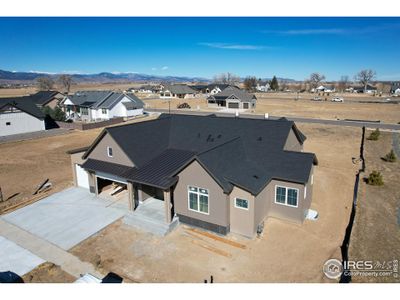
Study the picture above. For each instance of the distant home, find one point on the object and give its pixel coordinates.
(90, 106)
(395, 88)
(20, 115)
(147, 89)
(232, 97)
(47, 98)
(177, 91)
(369, 89)
(263, 86)
(325, 89)
(215, 88)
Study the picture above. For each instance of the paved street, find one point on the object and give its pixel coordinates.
(351, 123)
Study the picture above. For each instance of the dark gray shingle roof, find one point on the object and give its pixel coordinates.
(243, 152)
(234, 92)
(102, 99)
(43, 97)
(179, 89)
(23, 103)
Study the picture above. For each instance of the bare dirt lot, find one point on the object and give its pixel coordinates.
(48, 273)
(285, 105)
(26, 164)
(375, 235)
(286, 252)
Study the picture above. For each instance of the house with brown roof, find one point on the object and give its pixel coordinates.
(219, 173)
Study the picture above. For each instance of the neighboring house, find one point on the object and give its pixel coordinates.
(262, 86)
(232, 97)
(200, 88)
(20, 115)
(89, 106)
(47, 98)
(325, 89)
(395, 88)
(368, 90)
(177, 91)
(216, 88)
(219, 173)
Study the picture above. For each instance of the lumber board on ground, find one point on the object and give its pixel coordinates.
(217, 238)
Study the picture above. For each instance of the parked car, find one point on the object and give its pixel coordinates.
(337, 99)
(316, 98)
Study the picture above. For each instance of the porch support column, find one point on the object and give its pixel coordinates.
(167, 204)
(131, 195)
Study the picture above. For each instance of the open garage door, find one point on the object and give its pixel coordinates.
(109, 185)
(82, 178)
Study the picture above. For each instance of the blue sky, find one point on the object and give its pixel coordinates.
(263, 47)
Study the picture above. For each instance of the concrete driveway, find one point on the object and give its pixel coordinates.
(66, 218)
(17, 259)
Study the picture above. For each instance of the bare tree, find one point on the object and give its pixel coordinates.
(343, 82)
(316, 79)
(227, 78)
(250, 83)
(365, 77)
(65, 81)
(44, 83)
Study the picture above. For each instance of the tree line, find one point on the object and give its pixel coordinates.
(47, 83)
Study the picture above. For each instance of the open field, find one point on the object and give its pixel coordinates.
(26, 164)
(281, 105)
(375, 235)
(286, 252)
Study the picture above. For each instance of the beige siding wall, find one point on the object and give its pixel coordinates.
(242, 220)
(294, 214)
(100, 152)
(292, 143)
(195, 175)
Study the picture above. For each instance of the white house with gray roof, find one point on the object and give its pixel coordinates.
(91, 106)
(232, 97)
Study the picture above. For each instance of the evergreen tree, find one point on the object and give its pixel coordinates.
(274, 85)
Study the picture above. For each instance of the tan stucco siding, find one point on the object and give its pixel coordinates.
(195, 175)
(290, 213)
(100, 152)
(292, 143)
(242, 220)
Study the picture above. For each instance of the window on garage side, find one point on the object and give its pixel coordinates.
(198, 199)
(104, 111)
(241, 203)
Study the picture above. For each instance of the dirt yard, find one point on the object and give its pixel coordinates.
(26, 164)
(286, 252)
(375, 233)
(48, 273)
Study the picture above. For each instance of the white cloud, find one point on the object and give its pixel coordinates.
(233, 46)
(164, 68)
(307, 31)
(42, 72)
(154, 69)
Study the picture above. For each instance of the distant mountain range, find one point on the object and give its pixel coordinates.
(105, 77)
(18, 77)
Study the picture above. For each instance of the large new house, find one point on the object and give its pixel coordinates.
(89, 106)
(20, 115)
(220, 173)
(232, 97)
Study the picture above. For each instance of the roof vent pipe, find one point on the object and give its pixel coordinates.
(266, 116)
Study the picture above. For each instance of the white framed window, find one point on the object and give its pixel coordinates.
(242, 203)
(286, 196)
(198, 200)
(110, 152)
(104, 111)
(84, 111)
